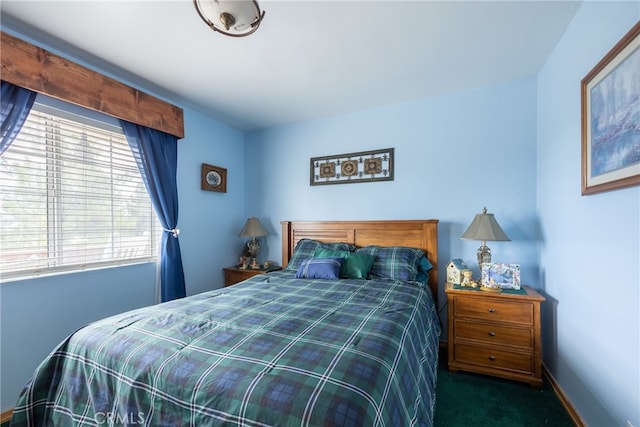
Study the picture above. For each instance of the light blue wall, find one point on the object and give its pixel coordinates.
(454, 155)
(590, 246)
(35, 315)
(209, 221)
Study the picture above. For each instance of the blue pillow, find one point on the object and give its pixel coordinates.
(320, 268)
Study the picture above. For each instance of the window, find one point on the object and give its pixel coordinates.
(72, 197)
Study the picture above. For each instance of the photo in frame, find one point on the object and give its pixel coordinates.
(610, 103)
(364, 166)
(213, 178)
(499, 275)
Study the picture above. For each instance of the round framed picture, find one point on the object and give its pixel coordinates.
(213, 178)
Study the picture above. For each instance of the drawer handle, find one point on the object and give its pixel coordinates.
(492, 310)
(492, 358)
(492, 334)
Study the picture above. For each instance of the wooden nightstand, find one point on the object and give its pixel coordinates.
(495, 333)
(233, 275)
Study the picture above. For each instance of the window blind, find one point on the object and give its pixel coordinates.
(72, 198)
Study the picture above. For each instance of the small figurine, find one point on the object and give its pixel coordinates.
(255, 265)
(467, 279)
(244, 263)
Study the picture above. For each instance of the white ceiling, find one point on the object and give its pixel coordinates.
(308, 59)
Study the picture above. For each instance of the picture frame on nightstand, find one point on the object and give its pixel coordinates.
(500, 275)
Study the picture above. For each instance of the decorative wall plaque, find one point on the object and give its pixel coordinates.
(364, 166)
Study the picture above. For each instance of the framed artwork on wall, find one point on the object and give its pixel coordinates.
(363, 166)
(610, 98)
(213, 178)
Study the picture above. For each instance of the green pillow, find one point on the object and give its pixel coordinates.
(355, 265)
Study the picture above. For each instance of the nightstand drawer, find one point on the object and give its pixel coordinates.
(492, 309)
(494, 333)
(491, 357)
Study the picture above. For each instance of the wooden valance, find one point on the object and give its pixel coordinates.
(37, 69)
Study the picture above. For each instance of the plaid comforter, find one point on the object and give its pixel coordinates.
(273, 350)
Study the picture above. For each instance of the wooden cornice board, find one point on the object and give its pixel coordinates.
(37, 69)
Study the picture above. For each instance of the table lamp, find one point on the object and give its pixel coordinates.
(484, 227)
(252, 228)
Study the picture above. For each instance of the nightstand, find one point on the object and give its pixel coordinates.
(233, 275)
(495, 333)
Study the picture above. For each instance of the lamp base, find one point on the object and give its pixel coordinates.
(484, 255)
(253, 246)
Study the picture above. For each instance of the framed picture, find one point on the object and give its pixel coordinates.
(504, 276)
(213, 178)
(610, 96)
(364, 166)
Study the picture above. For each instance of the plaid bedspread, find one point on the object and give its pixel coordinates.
(273, 350)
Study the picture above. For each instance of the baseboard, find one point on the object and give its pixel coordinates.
(5, 416)
(563, 398)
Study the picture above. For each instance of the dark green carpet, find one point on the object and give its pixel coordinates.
(468, 400)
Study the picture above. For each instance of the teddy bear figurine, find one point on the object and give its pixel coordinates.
(467, 279)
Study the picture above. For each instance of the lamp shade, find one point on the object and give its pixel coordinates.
(485, 227)
(253, 228)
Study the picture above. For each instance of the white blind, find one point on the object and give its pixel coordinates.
(72, 198)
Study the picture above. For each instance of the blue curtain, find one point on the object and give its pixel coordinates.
(156, 154)
(16, 102)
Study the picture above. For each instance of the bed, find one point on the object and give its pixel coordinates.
(293, 347)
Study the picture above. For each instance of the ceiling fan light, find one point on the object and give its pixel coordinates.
(235, 18)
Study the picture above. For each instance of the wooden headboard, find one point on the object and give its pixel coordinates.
(421, 234)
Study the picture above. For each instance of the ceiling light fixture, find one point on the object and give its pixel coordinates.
(235, 18)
